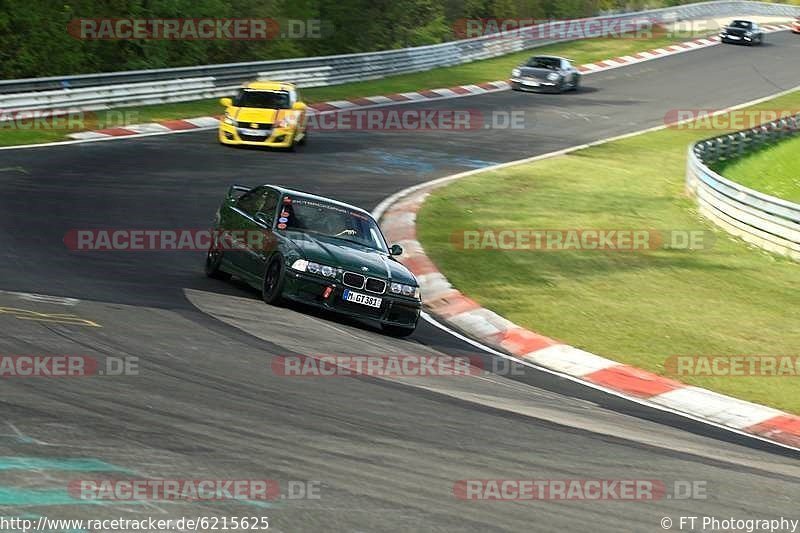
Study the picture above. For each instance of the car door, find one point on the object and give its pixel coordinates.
(241, 228)
(261, 240)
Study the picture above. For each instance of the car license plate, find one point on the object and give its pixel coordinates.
(254, 133)
(533, 83)
(734, 37)
(363, 299)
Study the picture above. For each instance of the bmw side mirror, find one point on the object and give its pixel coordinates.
(396, 249)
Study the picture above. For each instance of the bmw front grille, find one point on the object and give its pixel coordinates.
(359, 281)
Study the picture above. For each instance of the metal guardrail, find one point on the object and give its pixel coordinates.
(329, 70)
(103, 97)
(768, 222)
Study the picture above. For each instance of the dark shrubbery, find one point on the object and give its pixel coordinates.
(34, 40)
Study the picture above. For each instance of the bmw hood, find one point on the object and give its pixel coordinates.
(350, 257)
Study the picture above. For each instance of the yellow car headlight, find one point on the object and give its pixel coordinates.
(227, 119)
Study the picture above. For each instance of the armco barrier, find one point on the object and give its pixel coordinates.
(768, 222)
(91, 98)
(75, 91)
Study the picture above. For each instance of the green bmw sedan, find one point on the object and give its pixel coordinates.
(296, 246)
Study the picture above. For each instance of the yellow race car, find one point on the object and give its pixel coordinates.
(264, 113)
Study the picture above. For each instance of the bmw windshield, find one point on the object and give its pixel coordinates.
(330, 220)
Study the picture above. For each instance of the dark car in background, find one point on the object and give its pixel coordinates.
(314, 250)
(742, 32)
(546, 74)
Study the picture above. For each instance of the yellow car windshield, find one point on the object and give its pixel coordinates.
(262, 99)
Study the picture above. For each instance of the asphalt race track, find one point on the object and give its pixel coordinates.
(386, 453)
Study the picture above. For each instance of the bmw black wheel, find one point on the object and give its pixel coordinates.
(214, 264)
(274, 279)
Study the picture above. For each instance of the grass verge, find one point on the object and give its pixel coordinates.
(774, 170)
(638, 308)
(585, 51)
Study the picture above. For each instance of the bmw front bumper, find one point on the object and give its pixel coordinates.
(308, 289)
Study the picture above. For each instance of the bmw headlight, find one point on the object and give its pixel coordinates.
(516, 73)
(406, 290)
(227, 119)
(314, 268)
(553, 76)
